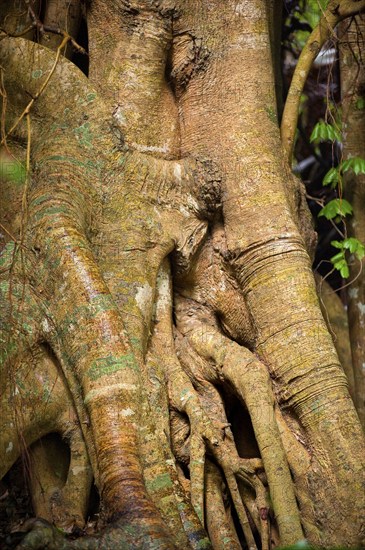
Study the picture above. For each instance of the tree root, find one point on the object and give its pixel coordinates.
(208, 431)
(219, 521)
(249, 379)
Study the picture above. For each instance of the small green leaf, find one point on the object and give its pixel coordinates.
(351, 244)
(331, 177)
(324, 132)
(356, 164)
(340, 263)
(344, 270)
(337, 244)
(329, 211)
(344, 207)
(334, 208)
(338, 257)
(355, 247)
(360, 252)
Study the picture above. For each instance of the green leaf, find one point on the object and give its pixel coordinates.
(351, 244)
(344, 207)
(324, 132)
(313, 11)
(360, 252)
(338, 257)
(331, 177)
(336, 207)
(337, 244)
(356, 164)
(344, 270)
(355, 247)
(340, 263)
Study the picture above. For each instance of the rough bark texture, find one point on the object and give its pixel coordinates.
(353, 91)
(161, 313)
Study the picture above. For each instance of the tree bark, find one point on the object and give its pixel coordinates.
(162, 260)
(353, 84)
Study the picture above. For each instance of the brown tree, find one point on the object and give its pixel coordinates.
(161, 313)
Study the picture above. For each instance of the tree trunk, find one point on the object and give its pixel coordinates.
(161, 263)
(353, 84)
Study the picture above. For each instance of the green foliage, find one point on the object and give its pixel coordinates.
(340, 263)
(334, 174)
(336, 208)
(309, 12)
(332, 178)
(351, 244)
(356, 164)
(339, 260)
(323, 131)
(313, 11)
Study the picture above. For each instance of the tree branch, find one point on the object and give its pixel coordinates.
(335, 12)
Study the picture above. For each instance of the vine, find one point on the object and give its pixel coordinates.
(338, 208)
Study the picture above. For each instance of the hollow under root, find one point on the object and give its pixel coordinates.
(60, 481)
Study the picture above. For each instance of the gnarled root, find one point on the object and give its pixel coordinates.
(200, 428)
(218, 516)
(227, 362)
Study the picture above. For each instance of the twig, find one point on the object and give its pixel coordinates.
(37, 23)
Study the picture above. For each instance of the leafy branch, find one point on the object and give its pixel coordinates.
(339, 261)
(333, 178)
(336, 11)
(337, 209)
